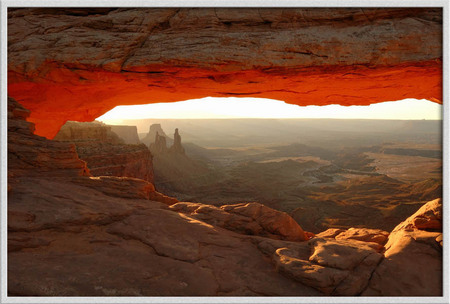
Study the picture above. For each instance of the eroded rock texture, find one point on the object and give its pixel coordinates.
(29, 154)
(104, 159)
(105, 153)
(78, 235)
(334, 267)
(79, 63)
(251, 218)
(413, 254)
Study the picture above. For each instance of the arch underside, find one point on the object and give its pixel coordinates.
(77, 65)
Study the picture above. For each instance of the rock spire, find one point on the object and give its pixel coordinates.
(160, 144)
(176, 147)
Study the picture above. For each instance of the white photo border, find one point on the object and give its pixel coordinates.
(5, 4)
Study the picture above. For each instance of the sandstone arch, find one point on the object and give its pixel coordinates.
(79, 63)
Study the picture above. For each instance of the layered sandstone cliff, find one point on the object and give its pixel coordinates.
(29, 154)
(76, 64)
(127, 133)
(150, 137)
(105, 152)
(105, 159)
(87, 131)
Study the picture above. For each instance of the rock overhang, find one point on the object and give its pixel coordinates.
(78, 64)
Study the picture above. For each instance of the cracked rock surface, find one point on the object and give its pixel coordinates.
(71, 234)
(250, 218)
(413, 257)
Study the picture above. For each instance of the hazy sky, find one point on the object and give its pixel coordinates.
(233, 107)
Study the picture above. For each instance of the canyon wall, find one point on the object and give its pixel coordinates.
(104, 159)
(29, 154)
(78, 63)
(127, 133)
(105, 152)
(87, 131)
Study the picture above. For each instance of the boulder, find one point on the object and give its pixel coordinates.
(413, 257)
(364, 234)
(428, 217)
(250, 218)
(333, 267)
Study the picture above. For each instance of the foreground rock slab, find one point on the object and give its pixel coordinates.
(88, 243)
(413, 257)
(250, 218)
(335, 267)
(71, 234)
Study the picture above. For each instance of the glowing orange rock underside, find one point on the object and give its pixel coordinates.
(83, 95)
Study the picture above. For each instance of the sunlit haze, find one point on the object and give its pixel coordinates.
(232, 107)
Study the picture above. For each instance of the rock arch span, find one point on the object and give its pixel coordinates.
(78, 63)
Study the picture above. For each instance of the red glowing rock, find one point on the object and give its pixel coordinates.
(79, 64)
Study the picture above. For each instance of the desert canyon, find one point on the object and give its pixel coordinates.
(89, 213)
